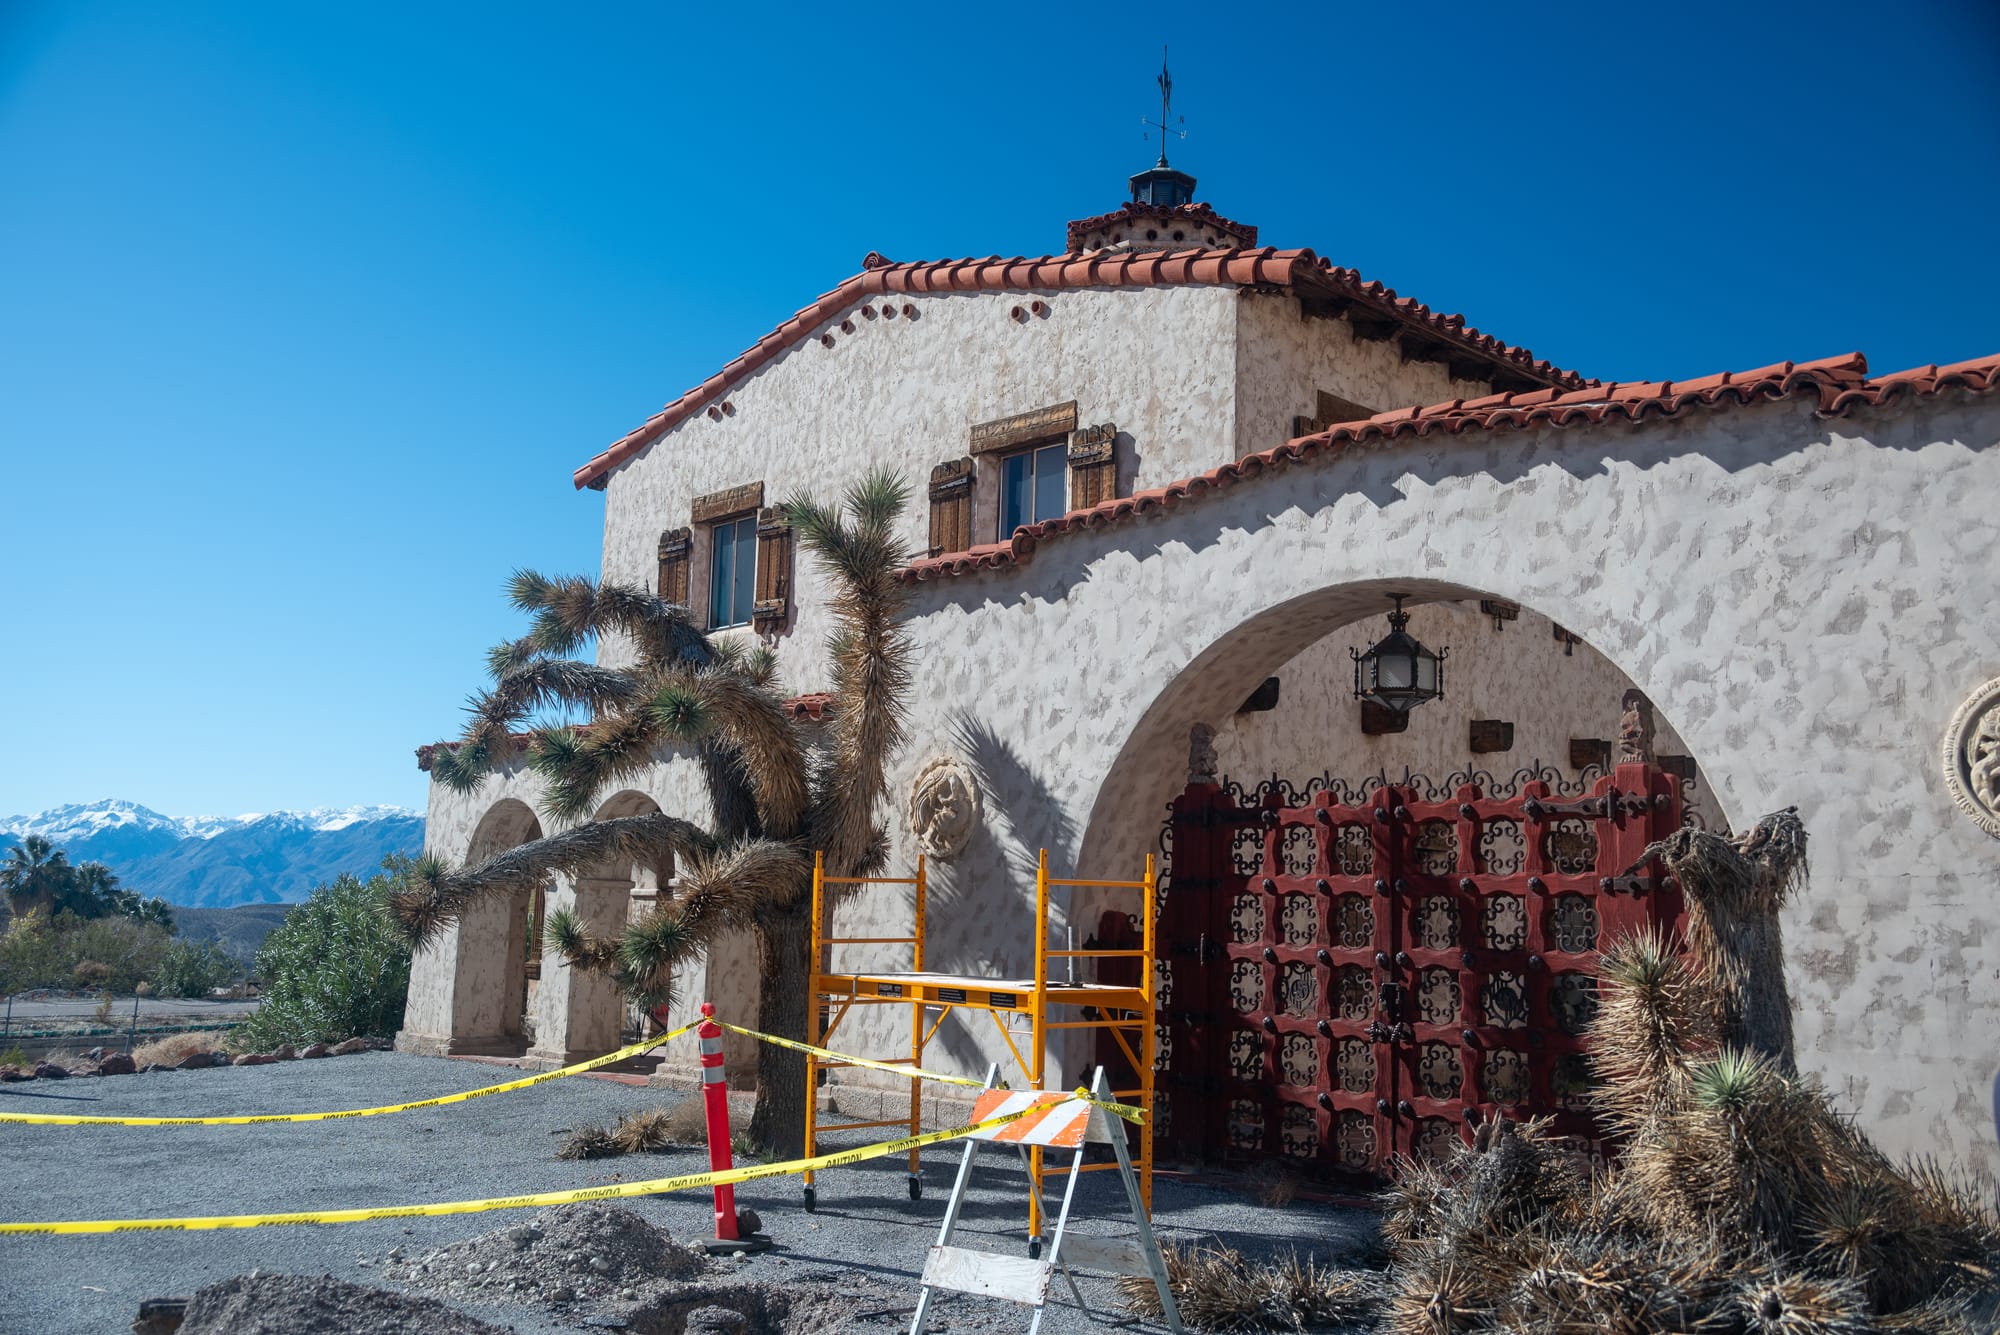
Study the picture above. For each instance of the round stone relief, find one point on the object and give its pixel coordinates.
(944, 807)
(1972, 757)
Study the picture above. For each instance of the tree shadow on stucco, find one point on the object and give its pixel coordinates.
(983, 891)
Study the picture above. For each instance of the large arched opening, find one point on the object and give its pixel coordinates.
(498, 945)
(1377, 931)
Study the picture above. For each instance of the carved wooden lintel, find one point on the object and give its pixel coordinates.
(1681, 767)
(728, 504)
(1377, 721)
(1004, 433)
(1500, 610)
(1587, 751)
(1567, 639)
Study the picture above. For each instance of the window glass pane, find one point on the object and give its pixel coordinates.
(746, 570)
(721, 575)
(1014, 494)
(1050, 476)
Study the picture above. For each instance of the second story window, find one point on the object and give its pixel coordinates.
(732, 573)
(1034, 486)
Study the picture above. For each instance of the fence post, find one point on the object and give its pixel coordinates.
(7, 1026)
(132, 1030)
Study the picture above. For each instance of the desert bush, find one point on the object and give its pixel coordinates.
(336, 967)
(685, 1125)
(190, 969)
(1218, 1288)
(114, 953)
(174, 1049)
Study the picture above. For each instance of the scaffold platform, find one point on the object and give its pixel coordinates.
(1020, 1008)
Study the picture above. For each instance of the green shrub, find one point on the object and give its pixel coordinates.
(337, 966)
(194, 969)
(109, 954)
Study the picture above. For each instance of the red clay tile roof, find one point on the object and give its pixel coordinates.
(1199, 215)
(1840, 384)
(1332, 289)
(812, 707)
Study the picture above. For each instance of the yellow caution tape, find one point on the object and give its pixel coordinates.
(615, 1191)
(1124, 1110)
(913, 1072)
(609, 1058)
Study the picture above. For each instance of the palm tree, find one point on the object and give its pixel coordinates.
(773, 802)
(95, 892)
(36, 876)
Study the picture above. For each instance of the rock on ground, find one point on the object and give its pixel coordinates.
(572, 1253)
(256, 1304)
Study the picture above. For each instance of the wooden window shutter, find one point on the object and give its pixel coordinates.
(1093, 465)
(774, 569)
(951, 506)
(675, 545)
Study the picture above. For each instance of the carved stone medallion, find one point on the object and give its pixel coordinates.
(1972, 757)
(944, 807)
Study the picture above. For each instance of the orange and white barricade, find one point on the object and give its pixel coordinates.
(1061, 1122)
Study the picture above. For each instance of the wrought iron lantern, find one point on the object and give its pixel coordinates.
(1398, 672)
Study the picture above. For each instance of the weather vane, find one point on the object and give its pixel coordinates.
(1164, 124)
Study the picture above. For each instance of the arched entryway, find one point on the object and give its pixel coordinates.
(497, 944)
(1379, 931)
(580, 1014)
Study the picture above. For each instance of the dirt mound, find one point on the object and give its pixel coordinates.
(257, 1304)
(573, 1253)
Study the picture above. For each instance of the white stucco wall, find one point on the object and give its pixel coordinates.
(1517, 672)
(1285, 357)
(903, 392)
(1806, 602)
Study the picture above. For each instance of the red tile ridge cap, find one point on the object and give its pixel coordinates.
(1296, 268)
(1837, 383)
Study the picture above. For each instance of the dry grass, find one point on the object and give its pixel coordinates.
(174, 1049)
(1216, 1288)
(682, 1126)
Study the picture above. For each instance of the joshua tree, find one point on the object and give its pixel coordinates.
(773, 800)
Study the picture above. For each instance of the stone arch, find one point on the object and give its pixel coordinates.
(1151, 765)
(491, 980)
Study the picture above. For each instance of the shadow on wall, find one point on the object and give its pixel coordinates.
(992, 935)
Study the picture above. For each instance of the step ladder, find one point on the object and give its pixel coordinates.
(1060, 1122)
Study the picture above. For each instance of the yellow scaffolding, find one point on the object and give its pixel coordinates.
(1117, 1009)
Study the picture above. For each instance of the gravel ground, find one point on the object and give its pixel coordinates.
(866, 1235)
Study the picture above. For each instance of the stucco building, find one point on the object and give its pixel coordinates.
(1169, 478)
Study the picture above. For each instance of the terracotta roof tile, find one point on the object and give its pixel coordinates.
(1838, 383)
(1298, 271)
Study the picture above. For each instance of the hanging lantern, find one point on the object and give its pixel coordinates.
(1398, 672)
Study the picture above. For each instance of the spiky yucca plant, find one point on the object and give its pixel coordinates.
(773, 800)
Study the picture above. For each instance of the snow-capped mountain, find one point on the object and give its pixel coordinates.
(215, 861)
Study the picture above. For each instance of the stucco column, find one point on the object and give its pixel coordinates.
(577, 1013)
(427, 1014)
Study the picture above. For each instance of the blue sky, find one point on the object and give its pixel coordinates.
(307, 312)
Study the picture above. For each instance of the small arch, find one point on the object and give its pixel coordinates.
(499, 944)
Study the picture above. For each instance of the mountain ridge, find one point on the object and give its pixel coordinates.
(274, 857)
